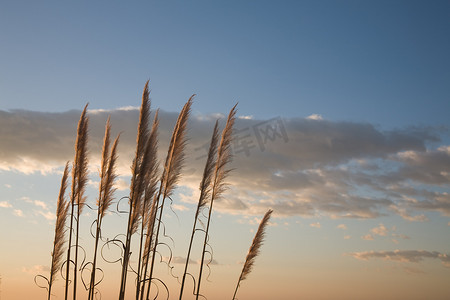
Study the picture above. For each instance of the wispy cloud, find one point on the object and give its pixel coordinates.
(40, 204)
(18, 212)
(5, 204)
(368, 237)
(315, 225)
(342, 226)
(47, 215)
(414, 256)
(314, 117)
(182, 260)
(297, 166)
(380, 230)
(36, 269)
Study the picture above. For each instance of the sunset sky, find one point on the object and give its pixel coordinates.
(343, 130)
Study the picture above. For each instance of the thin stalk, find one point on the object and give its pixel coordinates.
(58, 244)
(81, 164)
(135, 187)
(106, 191)
(66, 289)
(254, 249)
(150, 163)
(204, 193)
(79, 174)
(172, 169)
(75, 268)
(155, 244)
(148, 242)
(218, 184)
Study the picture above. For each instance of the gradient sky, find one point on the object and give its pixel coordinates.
(358, 173)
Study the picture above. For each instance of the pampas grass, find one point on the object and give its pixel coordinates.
(254, 250)
(136, 186)
(150, 187)
(60, 231)
(106, 192)
(205, 190)
(218, 184)
(79, 180)
(171, 173)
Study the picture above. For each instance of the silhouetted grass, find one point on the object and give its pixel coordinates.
(149, 190)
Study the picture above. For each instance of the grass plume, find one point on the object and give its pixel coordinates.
(254, 249)
(79, 180)
(150, 163)
(171, 173)
(205, 190)
(136, 186)
(106, 192)
(149, 189)
(60, 231)
(221, 171)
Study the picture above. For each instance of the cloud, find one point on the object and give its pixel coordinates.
(297, 166)
(407, 216)
(40, 204)
(368, 237)
(342, 226)
(18, 213)
(414, 256)
(5, 204)
(48, 215)
(314, 117)
(182, 260)
(36, 269)
(122, 185)
(380, 230)
(179, 207)
(245, 117)
(315, 225)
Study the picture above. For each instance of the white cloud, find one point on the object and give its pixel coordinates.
(182, 260)
(179, 207)
(403, 256)
(295, 166)
(36, 269)
(342, 226)
(407, 216)
(315, 117)
(367, 237)
(18, 213)
(40, 204)
(122, 185)
(5, 204)
(315, 225)
(124, 108)
(380, 230)
(48, 215)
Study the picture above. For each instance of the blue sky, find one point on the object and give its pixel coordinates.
(358, 174)
(383, 62)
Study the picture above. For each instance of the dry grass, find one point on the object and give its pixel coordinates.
(149, 190)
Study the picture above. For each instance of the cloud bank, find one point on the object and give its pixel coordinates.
(298, 166)
(403, 256)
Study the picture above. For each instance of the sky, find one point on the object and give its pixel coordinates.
(342, 130)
